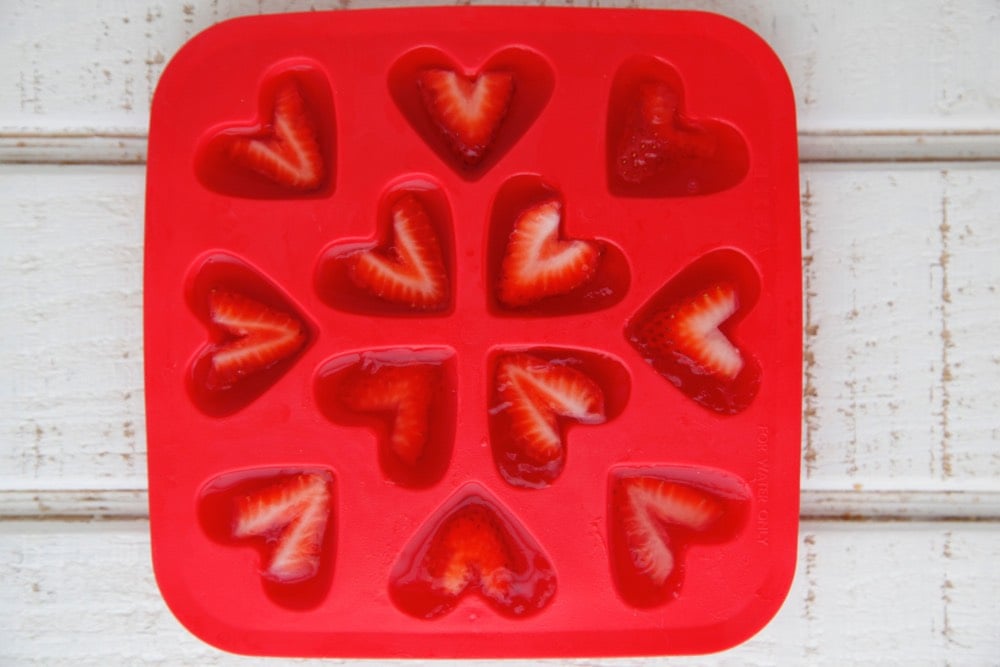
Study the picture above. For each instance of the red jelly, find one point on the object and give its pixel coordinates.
(656, 515)
(538, 397)
(254, 334)
(472, 545)
(288, 150)
(535, 267)
(406, 397)
(686, 331)
(288, 516)
(656, 148)
(506, 107)
(408, 270)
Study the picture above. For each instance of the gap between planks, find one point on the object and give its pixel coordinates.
(816, 505)
(129, 147)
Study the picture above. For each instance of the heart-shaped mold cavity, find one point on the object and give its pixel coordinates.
(686, 331)
(656, 514)
(287, 151)
(406, 396)
(655, 148)
(472, 544)
(538, 395)
(255, 334)
(287, 514)
(535, 268)
(405, 271)
(471, 117)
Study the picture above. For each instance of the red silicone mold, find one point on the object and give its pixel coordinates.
(473, 332)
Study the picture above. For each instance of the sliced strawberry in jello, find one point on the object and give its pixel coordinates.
(410, 270)
(472, 546)
(656, 136)
(404, 394)
(690, 333)
(405, 397)
(257, 337)
(534, 400)
(291, 516)
(288, 153)
(654, 518)
(467, 110)
(537, 263)
(687, 343)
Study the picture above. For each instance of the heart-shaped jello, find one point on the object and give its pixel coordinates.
(255, 334)
(472, 545)
(471, 117)
(658, 149)
(686, 331)
(407, 270)
(286, 152)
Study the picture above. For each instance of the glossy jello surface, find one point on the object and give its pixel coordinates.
(473, 332)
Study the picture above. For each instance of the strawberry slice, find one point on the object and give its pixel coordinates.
(656, 514)
(656, 136)
(291, 515)
(649, 507)
(467, 110)
(689, 333)
(404, 392)
(411, 271)
(535, 394)
(538, 264)
(289, 153)
(472, 547)
(652, 515)
(258, 338)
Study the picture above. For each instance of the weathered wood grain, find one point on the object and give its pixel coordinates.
(897, 65)
(902, 369)
(83, 594)
(71, 362)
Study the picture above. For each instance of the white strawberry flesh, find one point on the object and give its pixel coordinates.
(292, 516)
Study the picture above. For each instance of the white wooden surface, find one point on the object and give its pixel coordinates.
(899, 105)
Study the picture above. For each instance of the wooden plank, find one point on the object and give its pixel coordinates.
(901, 278)
(72, 389)
(897, 65)
(914, 593)
(902, 373)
